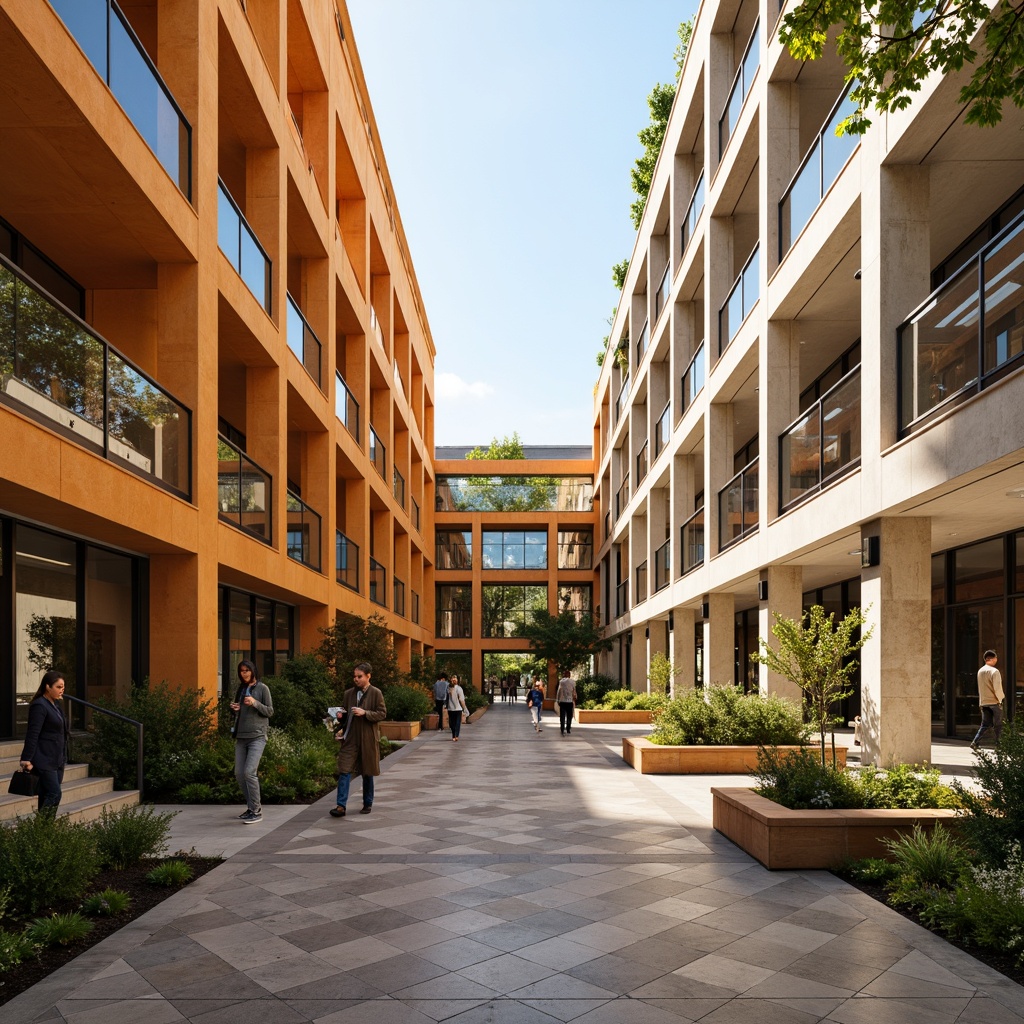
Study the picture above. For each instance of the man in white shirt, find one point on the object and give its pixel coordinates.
(565, 695)
(990, 697)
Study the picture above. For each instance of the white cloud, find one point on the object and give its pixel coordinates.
(448, 386)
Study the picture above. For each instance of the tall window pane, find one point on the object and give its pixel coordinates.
(108, 625)
(979, 571)
(575, 549)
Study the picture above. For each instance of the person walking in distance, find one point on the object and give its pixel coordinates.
(362, 711)
(565, 695)
(456, 707)
(440, 696)
(534, 702)
(990, 697)
(253, 707)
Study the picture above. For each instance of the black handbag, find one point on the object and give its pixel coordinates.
(23, 783)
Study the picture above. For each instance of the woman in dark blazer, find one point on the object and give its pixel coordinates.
(46, 741)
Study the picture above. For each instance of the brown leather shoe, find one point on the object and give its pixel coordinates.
(337, 812)
(366, 809)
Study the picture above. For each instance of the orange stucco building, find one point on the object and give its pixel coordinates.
(216, 371)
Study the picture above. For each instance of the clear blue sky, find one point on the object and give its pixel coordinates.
(509, 128)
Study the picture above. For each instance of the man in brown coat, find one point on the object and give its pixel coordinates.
(359, 734)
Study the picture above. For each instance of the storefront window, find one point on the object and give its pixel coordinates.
(108, 625)
(979, 571)
(976, 628)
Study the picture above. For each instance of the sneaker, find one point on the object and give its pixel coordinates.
(251, 817)
(244, 814)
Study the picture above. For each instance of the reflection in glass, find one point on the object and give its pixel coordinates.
(454, 611)
(693, 541)
(243, 491)
(346, 408)
(693, 212)
(575, 598)
(507, 608)
(514, 494)
(108, 624)
(346, 561)
(453, 549)
(978, 571)
(302, 340)
(575, 549)
(515, 549)
(303, 541)
(378, 582)
(976, 628)
(693, 378)
(740, 302)
(738, 506)
(239, 244)
(740, 87)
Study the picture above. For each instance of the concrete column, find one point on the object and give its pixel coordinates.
(638, 660)
(720, 640)
(657, 643)
(785, 597)
(682, 645)
(896, 660)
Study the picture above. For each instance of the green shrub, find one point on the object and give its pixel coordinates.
(128, 835)
(935, 859)
(408, 703)
(170, 873)
(175, 722)
(106, 903)
(594, 687)
(15, 949)
(58, 929)
(196, 793)
(387, 746)
(905, 785)
(616, 700)
(871, 869)
(45, 859)
(798, 780)
(647, 702)
(474, 698)
(724, 715)
(300, 764)
(302, 691)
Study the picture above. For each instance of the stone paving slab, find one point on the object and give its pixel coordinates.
(521, 878)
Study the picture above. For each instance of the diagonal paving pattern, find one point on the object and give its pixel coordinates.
(517, 878)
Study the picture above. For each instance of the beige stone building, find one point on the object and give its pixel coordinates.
(817, 393)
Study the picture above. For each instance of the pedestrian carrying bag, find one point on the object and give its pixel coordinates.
(23, 784)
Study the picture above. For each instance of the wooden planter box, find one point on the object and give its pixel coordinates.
(781, 838)
(651, 759)
(400, 730)
(598, 717)
(430, 722)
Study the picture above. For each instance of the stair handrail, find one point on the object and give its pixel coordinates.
(123, 718)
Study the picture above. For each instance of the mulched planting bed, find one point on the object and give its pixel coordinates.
(1004, 964)
(144, 896)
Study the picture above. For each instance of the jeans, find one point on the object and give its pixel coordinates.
(247, 760)
(344, 781)
(455, 722)
(565, 709)
(49, 786)
(535, 713)
(439, 711)
(991, 718)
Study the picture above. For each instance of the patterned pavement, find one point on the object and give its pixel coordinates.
(516, 878)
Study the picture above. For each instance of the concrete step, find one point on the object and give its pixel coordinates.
(90, 808)
(9, 765)
(77, 790)
(11, 748)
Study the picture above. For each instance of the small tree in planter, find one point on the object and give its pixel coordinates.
(661, 673)
(816, 654)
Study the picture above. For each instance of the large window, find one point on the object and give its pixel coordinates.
(575, 549)
(506, 609)
(514, 494)
(515, 549)
(454, 611)
(255, 629)
(453, 549)
(576, 598)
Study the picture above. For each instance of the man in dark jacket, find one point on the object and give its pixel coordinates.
(359, 734)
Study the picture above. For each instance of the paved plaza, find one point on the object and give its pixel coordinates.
(513, 878)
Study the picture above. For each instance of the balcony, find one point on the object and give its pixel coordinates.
(303, 532)
(737, 506)
(378, 453)
(641, 463)
(663, 429)
(397, 374)
(640, 594)
(108, 40)
(56, 369)
(818, 170)
(346, 408)
(414, 605)
(378, 583)
(302, 340)
(607, 525)
(239, 244)
(822, 445)
(663, 566)
(740, 87)
(622, 598)
(375, 327)
(641, 343)
(692, 541)
(244, 491)
(742, 297)
(622, 497)
(346, 561)
(952, 346)
(693, 378)
(620, 402)
(693, 212)
(415, 512)
(398, 486)
(398, 593)
(661, 295)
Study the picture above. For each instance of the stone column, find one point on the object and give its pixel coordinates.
(785, 596)
(682, 646)
(638, 660)
(896, 660)
(720, 641)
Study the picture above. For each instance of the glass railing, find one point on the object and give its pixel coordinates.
(244, 491)
(398, 486)
(953, 345)
(375, 327)
(55, 368)
(346, 408)
(622, 598)
(693, 378)
(303, 532)
(397, 374)
(414, 606)
(107, 38)
(742, 298)
(692, 541)
(663, 566)
(641, 463)
(415, 512)
(693, 212)
(607, 525)
(663, 429)
(641, 343)
(378, 582)
(622, 497)
(661, 295)
(818, 170)
(641, 583)
(242, 248)
(346, 561)
(303, 342)
(740, 87)
(620, 402)
(398, 594)
(823, 444)
(378, 453)
(737, 506)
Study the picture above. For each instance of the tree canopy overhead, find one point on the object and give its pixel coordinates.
(890, 46)
(506, 448)
(567, 641)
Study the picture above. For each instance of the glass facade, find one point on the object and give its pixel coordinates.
(454, 611)
(514, 549)
(576, 598)
(507, 608)
(252, 628)
(453, 549)
(575, 549)
(514, 494)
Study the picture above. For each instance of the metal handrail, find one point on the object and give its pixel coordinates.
(123, 718)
